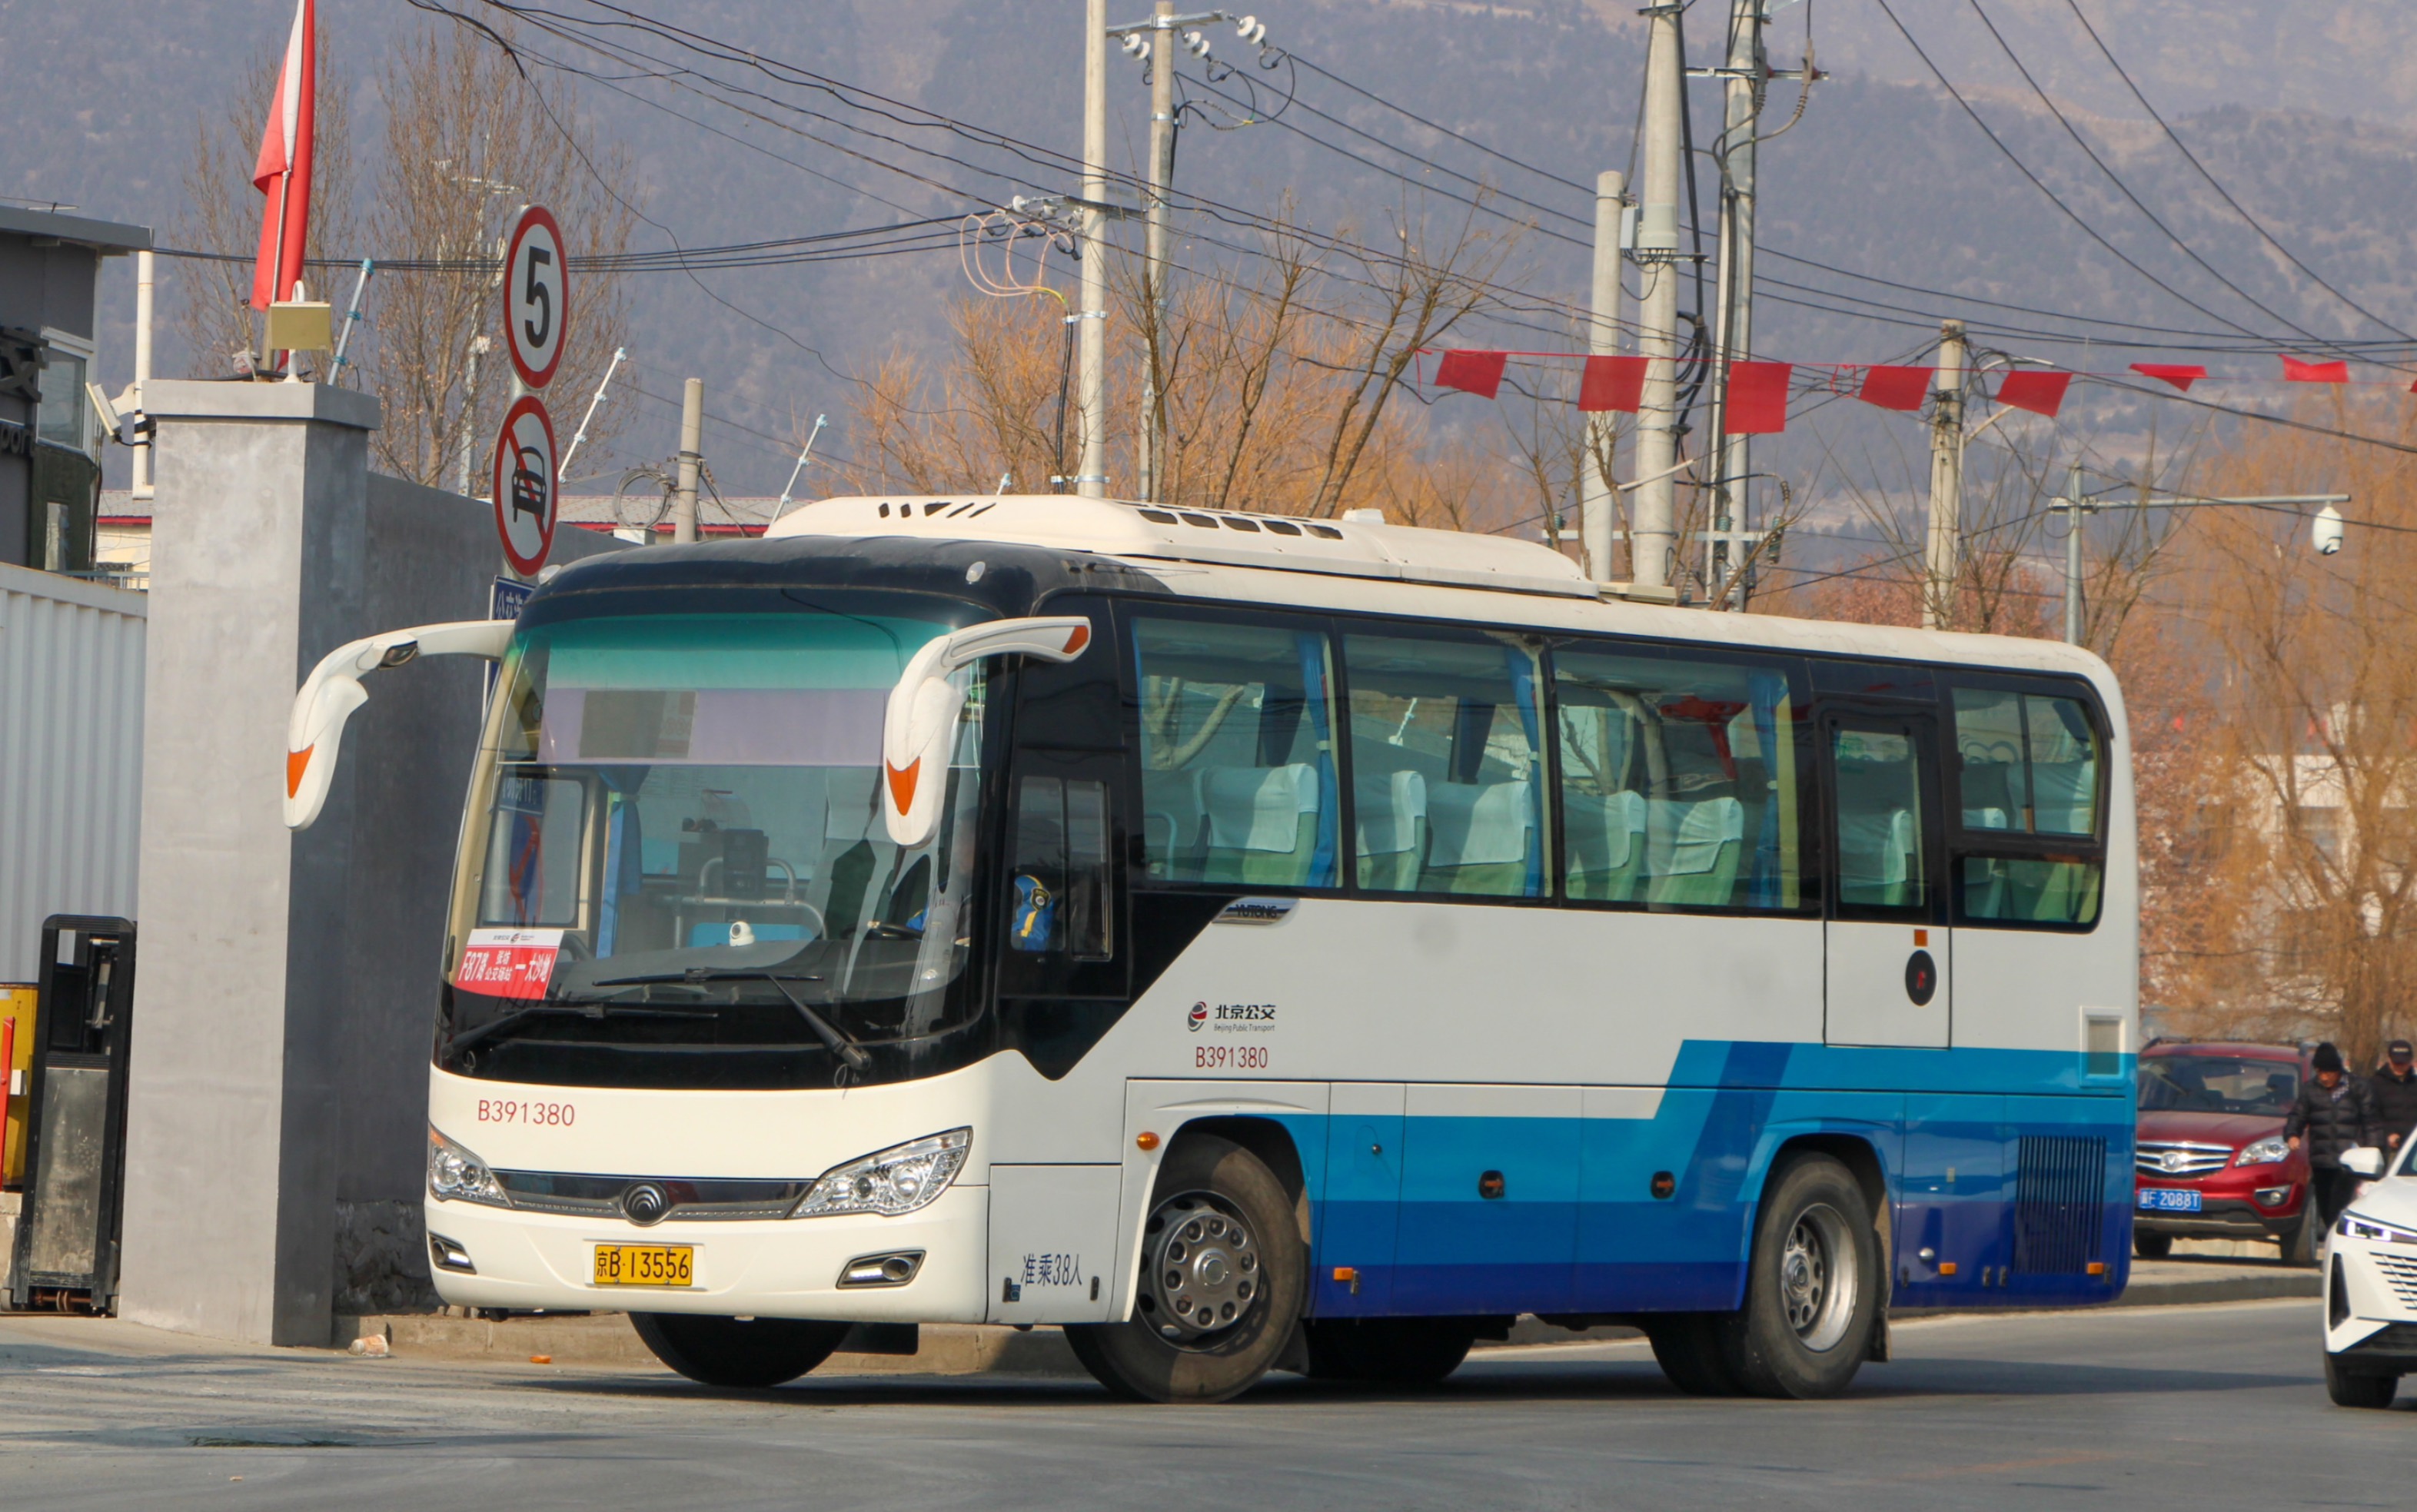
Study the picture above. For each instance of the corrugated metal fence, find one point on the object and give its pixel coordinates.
(71, 755)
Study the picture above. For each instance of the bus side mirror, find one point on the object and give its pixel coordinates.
(921, 719)
(329, 696)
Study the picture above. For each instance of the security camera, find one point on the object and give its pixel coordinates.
(2325, 531)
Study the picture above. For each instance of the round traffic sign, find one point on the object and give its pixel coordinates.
(524, 497)
(537, 296)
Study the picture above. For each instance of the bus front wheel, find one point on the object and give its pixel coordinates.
(740, 1352)
(1222, 1274)
(1389, 1351)
(1813, 1286)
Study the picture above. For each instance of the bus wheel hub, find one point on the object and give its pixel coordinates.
(1203, 1274)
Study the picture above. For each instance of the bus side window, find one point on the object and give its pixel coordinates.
(2027, 773)
(1681, 780)
(1060, 898)
(1446, 764)
(1237, 773)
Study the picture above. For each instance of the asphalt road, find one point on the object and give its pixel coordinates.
(2214, 1407)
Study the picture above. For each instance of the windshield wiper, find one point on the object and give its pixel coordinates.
(593, 1009)
(837, 1043)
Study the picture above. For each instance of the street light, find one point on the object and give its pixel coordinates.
(2324, 531)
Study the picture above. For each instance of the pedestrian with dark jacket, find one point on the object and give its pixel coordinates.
(2333, 1114)
(2395, 1085)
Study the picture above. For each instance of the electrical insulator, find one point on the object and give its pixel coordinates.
(1253, 30)
(1197, 44)
(1137, 48)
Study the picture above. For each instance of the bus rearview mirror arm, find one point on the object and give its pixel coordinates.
(315, 731)
(921, 719)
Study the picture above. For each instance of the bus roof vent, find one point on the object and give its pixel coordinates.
(1349, 547)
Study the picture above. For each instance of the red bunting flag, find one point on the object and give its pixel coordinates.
(1612, 383)
(2297, 372)
(2181, 375)
(1895, 388)
(2028, 388)
(1758, 398)
(1478, 373)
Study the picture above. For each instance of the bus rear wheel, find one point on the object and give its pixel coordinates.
(1813, 1286)
(747, 1354)
(1389, 1351)
(1222, 1279)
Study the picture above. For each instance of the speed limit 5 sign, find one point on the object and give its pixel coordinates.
(537, 296)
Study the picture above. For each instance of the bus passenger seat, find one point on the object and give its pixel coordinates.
(1693, 851)
(1393, 811)
(1171, 820)
(2062, 796)
(1605, 834)
(1262, 823)
(1478, 836)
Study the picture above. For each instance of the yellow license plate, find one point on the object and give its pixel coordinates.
(645, 1265)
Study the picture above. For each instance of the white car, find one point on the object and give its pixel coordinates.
(2371, 1283)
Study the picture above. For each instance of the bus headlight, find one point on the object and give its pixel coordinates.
(890, 1182)
(456, 1175)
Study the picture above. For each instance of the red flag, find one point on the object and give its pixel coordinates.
(2028, 388)
(1895, 388)
(283, 172)
(1612, 383)
(2297, 372)
(1757, 397)
(2178, 375)
(1479, 373)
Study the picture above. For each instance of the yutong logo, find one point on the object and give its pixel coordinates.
(1233, 1018)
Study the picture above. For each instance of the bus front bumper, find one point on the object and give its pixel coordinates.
(772, 1268)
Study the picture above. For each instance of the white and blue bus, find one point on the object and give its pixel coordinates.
(1263, 944)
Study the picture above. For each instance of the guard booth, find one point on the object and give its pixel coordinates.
(75, 1117)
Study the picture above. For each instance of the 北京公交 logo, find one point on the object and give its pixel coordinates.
(1199, 1016)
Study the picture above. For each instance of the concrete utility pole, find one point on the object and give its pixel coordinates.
(1946, 480)
(140, 469)
(1654, 535)
(1155, 279)
(479, 345)
(1733, 318)
(1092, 337)
(1598, 513)
(692, 442)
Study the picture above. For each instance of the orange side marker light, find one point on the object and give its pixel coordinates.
(1146, 1140)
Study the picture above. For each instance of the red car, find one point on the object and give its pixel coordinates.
(2210, 1161)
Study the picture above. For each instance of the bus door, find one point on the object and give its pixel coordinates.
(1886, 939)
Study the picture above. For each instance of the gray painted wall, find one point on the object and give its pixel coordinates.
(287, 981)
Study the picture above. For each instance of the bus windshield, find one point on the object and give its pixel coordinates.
(677, 823)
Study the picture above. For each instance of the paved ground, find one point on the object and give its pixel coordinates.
(2218, 1405)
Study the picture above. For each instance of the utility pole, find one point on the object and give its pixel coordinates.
(1154, 280)
(1092, 337)
(140, 480)
(1598, 514)
(692, 441)
(1733, 312)
(1946, 480)
(1654, 535)
(479, 345)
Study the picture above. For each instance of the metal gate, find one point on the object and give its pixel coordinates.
(75, 1125)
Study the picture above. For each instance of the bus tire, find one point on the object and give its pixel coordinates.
(1221, 1277)
(2349, 1389)
(1687, 1346)
(747, 1354)
(1389, 1351)
(2151, 1246)
(1813, 1285)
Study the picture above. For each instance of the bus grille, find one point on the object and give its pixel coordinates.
(2180, 1158)
(2059, 1204)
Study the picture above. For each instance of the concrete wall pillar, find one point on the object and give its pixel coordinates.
(258, 562)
